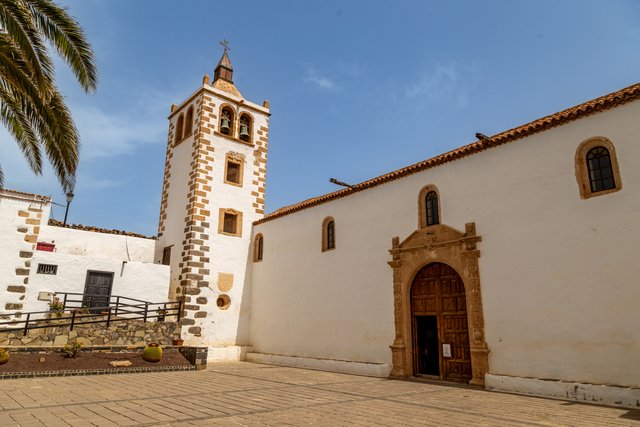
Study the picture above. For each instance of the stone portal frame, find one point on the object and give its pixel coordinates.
(437, 243)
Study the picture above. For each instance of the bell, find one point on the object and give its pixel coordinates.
(224, 126)
(244, 131)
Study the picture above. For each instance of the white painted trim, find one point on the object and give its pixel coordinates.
(333, 365)
(226, 353)
(557, 389)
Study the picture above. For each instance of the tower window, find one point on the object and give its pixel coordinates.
(328, 234)
(600, 170)
(166, 256)
(226, 120)
(245, 127)
(230, 222)
(233, 172)
(429, 206)
(188, 126)
(234, 169)
(179, 127)
(597, 169)
(431, 203)
(258, 248)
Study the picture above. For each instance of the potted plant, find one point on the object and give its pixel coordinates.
(56, 306)
(4, 356)
(152, 352)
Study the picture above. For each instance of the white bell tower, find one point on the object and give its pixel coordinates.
(213, 190)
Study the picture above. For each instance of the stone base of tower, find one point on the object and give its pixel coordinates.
(227, 353)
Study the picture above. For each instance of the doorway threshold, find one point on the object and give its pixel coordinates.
(435, 380)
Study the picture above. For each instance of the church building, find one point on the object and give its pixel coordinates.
(508, 263)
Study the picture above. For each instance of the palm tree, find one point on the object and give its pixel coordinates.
(31, 106)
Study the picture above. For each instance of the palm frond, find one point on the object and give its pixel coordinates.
(69, 40)
(17, 22)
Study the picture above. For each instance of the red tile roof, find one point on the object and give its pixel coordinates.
(602, 103)
(56, 223)
(38, 197)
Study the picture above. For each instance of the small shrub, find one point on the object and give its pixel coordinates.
(56, 305)
(72, 348)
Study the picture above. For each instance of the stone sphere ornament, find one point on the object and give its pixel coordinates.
(152, 352)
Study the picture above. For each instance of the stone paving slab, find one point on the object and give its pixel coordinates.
(249, 394)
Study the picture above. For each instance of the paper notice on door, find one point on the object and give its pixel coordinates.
(446, 350)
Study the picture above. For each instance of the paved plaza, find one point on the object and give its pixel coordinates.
(251, 394)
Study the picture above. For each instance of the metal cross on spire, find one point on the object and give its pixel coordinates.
(225, 44)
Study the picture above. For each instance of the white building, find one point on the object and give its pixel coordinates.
(509, 262)
(40, 255)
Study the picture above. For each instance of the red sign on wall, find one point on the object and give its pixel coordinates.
(47, 247)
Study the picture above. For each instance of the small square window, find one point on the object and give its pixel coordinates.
(47, 269)
(230, 223)
(233, 172)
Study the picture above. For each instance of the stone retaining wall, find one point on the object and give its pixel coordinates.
(119, 333)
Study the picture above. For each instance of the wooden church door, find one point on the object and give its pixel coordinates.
(439, 320)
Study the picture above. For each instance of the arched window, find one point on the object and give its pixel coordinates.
(597, 168)
(600, 170)
(245, 127)
(431, 204)
(258, 248)
(428, 206)
(179, 126)
(227, 118)
(328, 234)
(188, 126)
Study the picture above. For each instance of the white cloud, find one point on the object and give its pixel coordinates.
(105, 133)
(443, 83)
(319, 81)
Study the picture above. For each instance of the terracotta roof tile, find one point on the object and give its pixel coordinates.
(40, 197)
(56, 223)
(602, 103)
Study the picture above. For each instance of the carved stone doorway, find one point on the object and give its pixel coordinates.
(440, 334)
(428, 245)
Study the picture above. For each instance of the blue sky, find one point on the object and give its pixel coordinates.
(357, 88)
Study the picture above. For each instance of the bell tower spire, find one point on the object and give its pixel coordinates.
(224, 70)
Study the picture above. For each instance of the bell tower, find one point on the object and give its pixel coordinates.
(213, 190)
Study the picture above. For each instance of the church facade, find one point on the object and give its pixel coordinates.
(508, 263)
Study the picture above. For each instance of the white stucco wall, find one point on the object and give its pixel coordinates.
(78, 251)
(558, 273)
(98, 245)
(173, 234)
(13, 241)
(132, 279)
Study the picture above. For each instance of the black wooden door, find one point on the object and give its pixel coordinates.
(97, 290)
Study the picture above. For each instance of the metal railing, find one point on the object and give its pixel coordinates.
(93, 308)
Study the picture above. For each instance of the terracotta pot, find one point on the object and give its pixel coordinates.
(152, 352)
(178, 341)
(4, 357)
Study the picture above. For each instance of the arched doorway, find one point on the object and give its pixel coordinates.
(439, 324)
(457, 250)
